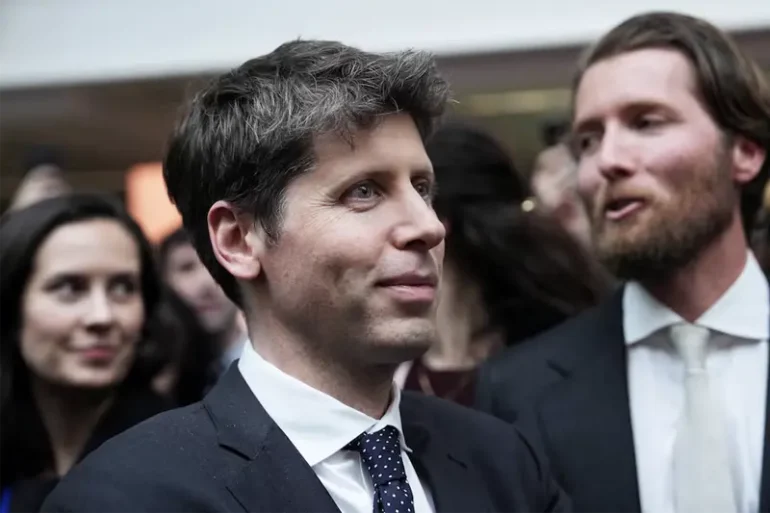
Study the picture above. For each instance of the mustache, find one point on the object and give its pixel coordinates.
(598, 204)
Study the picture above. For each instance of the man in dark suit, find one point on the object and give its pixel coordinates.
(303, 180)
(656, 400)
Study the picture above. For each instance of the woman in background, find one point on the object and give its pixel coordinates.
(78, 285)
(509, 272)
(191, 367)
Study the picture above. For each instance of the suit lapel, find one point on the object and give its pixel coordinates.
(586, 419)
(445, 468)
(274, 477)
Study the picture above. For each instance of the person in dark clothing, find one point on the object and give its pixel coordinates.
(303, 181)
(78, 285)
(510, 270)
(191, 368)
(657, 399)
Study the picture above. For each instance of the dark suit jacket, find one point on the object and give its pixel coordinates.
(567, 390)
(131, 406)
(227, 454)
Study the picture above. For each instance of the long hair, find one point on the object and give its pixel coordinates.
(25, 445)
(729, 85)
(532, 274)
(193, 349)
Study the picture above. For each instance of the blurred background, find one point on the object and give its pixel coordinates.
(94, 85)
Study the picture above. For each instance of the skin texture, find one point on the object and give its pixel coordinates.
(323, 305)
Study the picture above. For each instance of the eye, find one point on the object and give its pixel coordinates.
(425, 188)
(123, 287)
(585, 143)
(68, 288)
(647, 121)
(363, 191)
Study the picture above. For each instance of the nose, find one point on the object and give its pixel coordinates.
(419, 227)
(614, 158)
(100, 315)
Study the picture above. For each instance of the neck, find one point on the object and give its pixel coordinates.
(70, 417)
(460, 314)
(692, 290)
(231, 336)
(366, 389)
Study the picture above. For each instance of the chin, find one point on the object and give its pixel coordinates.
(403, 345)
(94, 380)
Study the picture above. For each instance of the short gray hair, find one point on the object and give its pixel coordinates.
(249, 133)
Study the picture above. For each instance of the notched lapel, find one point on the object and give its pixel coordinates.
(268, 473)
(586, 422)
(452, 484)
(279, 479)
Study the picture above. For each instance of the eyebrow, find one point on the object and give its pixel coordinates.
(635, 107)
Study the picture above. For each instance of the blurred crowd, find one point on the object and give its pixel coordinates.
(100, 329)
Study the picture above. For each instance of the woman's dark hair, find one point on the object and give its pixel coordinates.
(192, 349)
(531, 272)
(25, 446)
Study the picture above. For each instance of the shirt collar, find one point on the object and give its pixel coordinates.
(743, 311)
(317, 424)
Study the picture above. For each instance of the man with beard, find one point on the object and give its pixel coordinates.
(656, 401)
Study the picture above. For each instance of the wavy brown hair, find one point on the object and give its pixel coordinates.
(730, 86)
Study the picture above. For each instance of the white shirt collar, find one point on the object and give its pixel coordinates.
(743, 311)
(317, 424)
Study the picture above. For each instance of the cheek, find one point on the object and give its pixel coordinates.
(130, 319)
(675, 159)
(45, 334)
(589, 182)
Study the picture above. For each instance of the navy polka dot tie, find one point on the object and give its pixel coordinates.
(381, 454)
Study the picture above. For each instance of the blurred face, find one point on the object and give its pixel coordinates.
(554, 182)
(357, 264)
(654, 168)
(188, 277)
(83, 310)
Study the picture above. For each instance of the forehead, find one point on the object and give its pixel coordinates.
(92, 246)
(182, 251)
(653, 76)
(393, 144)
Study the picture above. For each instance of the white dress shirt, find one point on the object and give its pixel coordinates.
(737, 363)
(320, 426)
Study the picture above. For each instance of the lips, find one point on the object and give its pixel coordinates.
(99, 353)
(618, 209)
(416, 288)
(410, 280)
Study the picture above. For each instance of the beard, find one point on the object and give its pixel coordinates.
(671, 235)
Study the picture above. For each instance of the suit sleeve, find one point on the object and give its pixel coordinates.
(117, 487)
(555, 499)
(87, 493)
(558, 501)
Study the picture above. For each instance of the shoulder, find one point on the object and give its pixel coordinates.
(517, 377)
(476, 431)
(521, 361)
(505, 459)
(148, 467)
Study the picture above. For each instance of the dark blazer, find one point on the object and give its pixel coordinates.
(227, 454)
(131, 406)
(567, 390)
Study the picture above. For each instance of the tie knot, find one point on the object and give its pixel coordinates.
(381, 453)
(691, 341)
